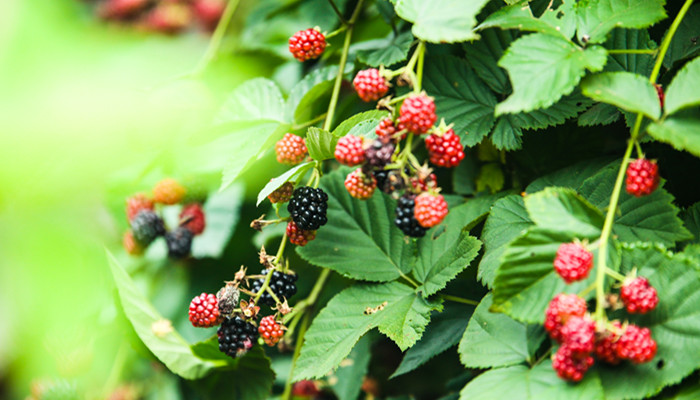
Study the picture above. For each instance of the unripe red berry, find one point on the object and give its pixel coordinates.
(636, 345)
(169, 18)
(417, 114)
(569, 366)
(638, 295)
(204, 311)
(445, 150)
(136, 203)
(297, 236)
(642, 177)
(209, 12)
(430, 209)
(573, 262)
(291, 149)
(561, 308)
(282, 194)
(192, 218)
(606, 344)
(350, 150)
(307, 44)
(360, 185)
(386, 129)
(579, 335)
(131, 245)
(168, 192)
(270, 330)
(370, 85)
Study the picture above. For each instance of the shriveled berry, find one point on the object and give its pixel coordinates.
(168, 192)
(379, 153)
(307, 44)
(573, 262)
(297, 236)
(136, 203)
(291, 149)
(360, 185)
(192, 218)
(270, 330)
(405, 217)
(606, 344)
(308, 208)
(569, 366)
(430, 209)
(228, 297)
(146, 226)
(636, 345)
(282, 285)
(236, 336)
(350, 150)
(579, 335)
(417, 114)
(642, 177)
(131, 245)
(204, 311)
(638, 295)
(370, 85)
(386, 129)
(561, 308)
(282, 194)
(179, 242)
(445, 150)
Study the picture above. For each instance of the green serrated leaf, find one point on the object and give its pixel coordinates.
(350, 374)
(681, 133)
(491, 178)
(630, 39)
(653, 217)
(394, 49)
(460, 98)
(543, 68)
(441, 21)
(493, 339)
(599, 114)
(483, 55)
(560, 22)
(359, 124)
(320, 143)
(626, 90)
(684, 90)
(275, 183)
(539, 383)
(675, 324)
(598, 17)
(395, 309)
(170, 348)
(507, 220)
(570, 177)
(691, 218)
(562, 210)
(258, 99)
(443, 332)
(358, 227)
(303, 102)
(222, 210)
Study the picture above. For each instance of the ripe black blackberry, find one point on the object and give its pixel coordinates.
(179, 242)
(308, 208)
(146, 226)
(379, 153)
(282, 285)
(405, 219)
(236, 336)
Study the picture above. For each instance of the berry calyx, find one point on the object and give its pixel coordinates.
(405, 217)
(573, 262)
(445, 150)
(131, 245)
(297, 236)
(370, 85)
(236, 336)
(417, 114)
(307, 44)
(636, 345)
(136, 203)
(308, 208)
(386, 129)
(168, 192)
(291, 149)
(350, 150)
(204, 311)
(146, 226)
(606, 344)
(569, 366)
(270, 330)
(179, 242)
(642, 177)
(360, 185)
(430, 209)
(561, 308)
(579, 335)
(192, 218)
(638, 295)
(282, 285)
(282, 194)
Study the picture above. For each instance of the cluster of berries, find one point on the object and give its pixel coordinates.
(164, 16)
(147, 225)
(568, 322)
(239, 328)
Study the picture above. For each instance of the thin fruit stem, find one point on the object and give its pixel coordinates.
(273, 295)
(409, 280)
(309, 123)
(640, 153)
(419, 70)
(667, 40)
(457, 299)
(280, 250)
(217, 36)
(286, 395)
(633, 51)
(618, 276)
(337, 11)
(587, 290)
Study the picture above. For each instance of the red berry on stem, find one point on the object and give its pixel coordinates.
(561, 308)
(297, 236)
(136, 203)
(386, 128)
(282, 194)
(168, 192)
(636, 345)
(642, 177)
(606, 344)
(350, 150)
(430, 209)
(417, 114)
(370, 85)
(131, 245)
(660, 93)
(569, 366)
(445, 150)
(209, 12)
(169, 18)
(307, 44)
(192, 218)
(573, 262)
(204, 311)
(360, 185)
(579, 335)
(638, 295)
(270, 330)
(291, 149)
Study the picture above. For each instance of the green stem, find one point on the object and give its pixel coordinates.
(618, 276)
(419, 70)
(633, 51)
(287, 394)
(457, 299)
(217, 36)
(309, 123)
(337, 11)
(667, 40)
